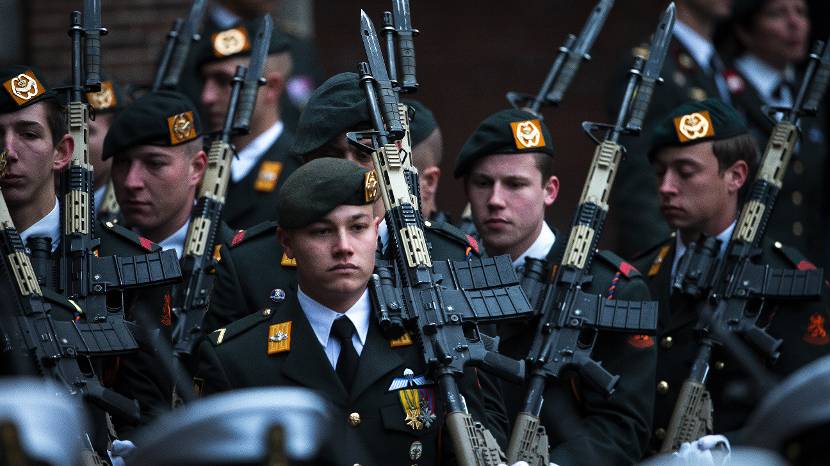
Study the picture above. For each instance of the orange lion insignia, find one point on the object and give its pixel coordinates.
(816, 334)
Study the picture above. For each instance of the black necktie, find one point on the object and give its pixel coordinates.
(343, 329)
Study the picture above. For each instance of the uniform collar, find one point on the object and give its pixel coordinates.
(250, 154)
(700, 48)
(681, 248)
(176, 240)
(763, 77)
(49, 225)
(321, 317)
(539, 249)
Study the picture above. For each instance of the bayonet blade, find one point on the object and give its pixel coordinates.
(194, 19)
(592, 27)
(92, 15)
(377, 67)
(253, 78)
(400, 10)
(188, 34)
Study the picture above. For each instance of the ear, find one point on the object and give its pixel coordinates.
(63, 152)
(551, 189)
(736, 176)
(198, 165)
(286, 242)
(430, 177)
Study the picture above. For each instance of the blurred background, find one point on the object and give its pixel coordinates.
(469, 54)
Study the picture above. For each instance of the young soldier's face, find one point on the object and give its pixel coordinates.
(32, 158)
(336, 255)
(780, 32)
(155, 185)
(97, 132)
(217, 91)
(694, 193)
(508, 201)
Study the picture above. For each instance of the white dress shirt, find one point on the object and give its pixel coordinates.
(250, 155)
(50, 226)
(765, 79)
(539, 249)
(681, 248)
(321, 318)
(99, 196)
(176, 240)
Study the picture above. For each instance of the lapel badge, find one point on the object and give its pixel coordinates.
(370, 186)
(269, 173)
(418, 406)
(403, 340)
(24, 87)
(694, 126)
(230, 42)
(288, 261)
(527, 134)
(279, 338)
(277, 295)
(416, 450)
(104, 99)
(181, 127)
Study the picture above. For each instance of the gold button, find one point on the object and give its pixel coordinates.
(660, 433)
(427, 223)
(354, 419)
(798, 167)
(798, 228)
(797, 197)
(667, 342)
(663, 387)
(266, 312)
(719, 365)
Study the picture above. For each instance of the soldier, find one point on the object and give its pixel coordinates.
(105, 104)
(337, 107)
(427, 151)
(262, 157)
(692, 70)
(702, 154)
(774, 37)
(325, 336)
(509, 185)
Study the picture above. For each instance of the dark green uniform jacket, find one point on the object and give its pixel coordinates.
(634, 203)
(252, 267)
(254, 198)
(369, 424)
(802, 326)
(800, 219)
(608, 431)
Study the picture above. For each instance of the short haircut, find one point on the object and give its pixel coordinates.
(730, 150)
(55, 119)
(429, 152)
(544, 163)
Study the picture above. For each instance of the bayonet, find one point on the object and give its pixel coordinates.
(92, 42)
(186, 36)
(406, 44)
(254, 78)
(377, 68)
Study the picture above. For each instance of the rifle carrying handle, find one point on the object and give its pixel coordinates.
(406, 48)
(640, 106)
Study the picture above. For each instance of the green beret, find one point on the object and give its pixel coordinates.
(695, 122)
(236, 41)
(160, 118)
(336, 107)
(506, 132)
(22, 86)
(319, 186)
(421, 121)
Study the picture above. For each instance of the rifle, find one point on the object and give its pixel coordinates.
(437, 303)
(181, 36)
(733, 290)
(571, 318)
(191, 299)
(397, 24)
(575, 49)
(93, 284)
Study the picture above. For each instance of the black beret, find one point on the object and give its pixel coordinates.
(237, 41)
(319, 186)
(337, 106)
(744, 10)
(160, 118)
(422, 122)
(695, 122)
(509, 131)
(22, 86)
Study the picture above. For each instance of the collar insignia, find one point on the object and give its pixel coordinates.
(694, 126)
(269, 174)
(230, 42)
(527, 134)
(181, 128)
(279, 338)
(288, 262)
(24, 87)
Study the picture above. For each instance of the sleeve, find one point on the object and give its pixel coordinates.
(210, 376)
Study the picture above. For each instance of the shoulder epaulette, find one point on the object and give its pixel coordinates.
(793, 256)
(454, 233)
(238, 327)
(241, 236)
(628, 270)
(131, 236)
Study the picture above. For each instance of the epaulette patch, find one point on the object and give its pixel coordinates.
(288, 262)
(473, 243)
(145, 243)
(449, 231)
(219, 336)
(794, 256)
(279, 338)
(131, 236)
(253, 232)
(628, 270)
(237, 238)
(403, 340)
(658, 260)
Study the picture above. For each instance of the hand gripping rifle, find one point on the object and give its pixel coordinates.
(191, 299)
(93, 284)
(181, 36)
(567, 61)
(571, 319)
(437, 303)
(732, 290)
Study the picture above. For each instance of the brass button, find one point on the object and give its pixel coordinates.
(663, 387)
(667, 342)
(798, 228)
(797, 197)
(719, 365)
(354, 419)
(660, 433)
(798, 167)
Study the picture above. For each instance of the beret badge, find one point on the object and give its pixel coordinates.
(527, 134)
(694, 126)
(182, 128)
(230, 42)
(24, 87)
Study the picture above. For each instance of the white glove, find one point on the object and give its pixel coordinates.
(711, 450)
(120, 449)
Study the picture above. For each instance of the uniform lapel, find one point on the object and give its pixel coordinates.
(376, 360)
(750, 101)
(680, 310)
